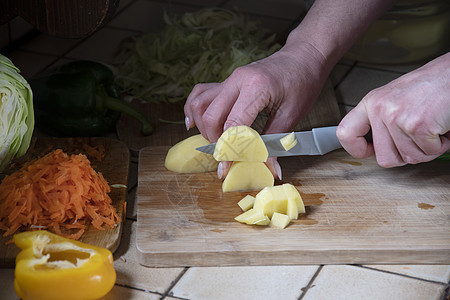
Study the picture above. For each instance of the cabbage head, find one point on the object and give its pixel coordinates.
(16, 113)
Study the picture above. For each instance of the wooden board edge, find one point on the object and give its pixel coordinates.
(306, 257)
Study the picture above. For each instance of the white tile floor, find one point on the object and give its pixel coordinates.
(351, 81)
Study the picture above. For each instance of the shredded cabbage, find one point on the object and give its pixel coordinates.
(203, 46)
(16, 113)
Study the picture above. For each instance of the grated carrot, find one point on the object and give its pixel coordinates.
(59, 192)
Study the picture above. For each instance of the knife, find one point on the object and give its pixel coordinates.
(318, 141)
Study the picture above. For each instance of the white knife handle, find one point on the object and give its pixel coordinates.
(325, 139)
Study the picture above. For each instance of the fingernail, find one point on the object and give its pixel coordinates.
(220, 170)
(277, 167)
(187, 121)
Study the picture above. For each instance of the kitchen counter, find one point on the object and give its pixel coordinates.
(351, 81)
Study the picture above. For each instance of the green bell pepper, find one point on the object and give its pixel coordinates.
(80, 99)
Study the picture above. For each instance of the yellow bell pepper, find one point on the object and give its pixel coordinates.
(52, 267)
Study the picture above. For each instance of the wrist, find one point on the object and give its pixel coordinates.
(306, 53)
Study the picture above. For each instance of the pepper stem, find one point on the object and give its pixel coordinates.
(122, 106)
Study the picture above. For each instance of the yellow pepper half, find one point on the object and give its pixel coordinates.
(52, 267)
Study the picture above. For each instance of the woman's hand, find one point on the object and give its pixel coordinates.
(286, 84)
(409, 118)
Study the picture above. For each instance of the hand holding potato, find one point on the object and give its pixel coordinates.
(284, 84)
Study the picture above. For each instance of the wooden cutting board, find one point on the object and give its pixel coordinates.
(357, 213)
(324, 113)
(114, 167)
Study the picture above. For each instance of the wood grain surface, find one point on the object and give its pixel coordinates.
(324, 113)
(114, 166)
(357, 213)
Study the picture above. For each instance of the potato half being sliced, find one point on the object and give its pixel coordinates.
(240, 143)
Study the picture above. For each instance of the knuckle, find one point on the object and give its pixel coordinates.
(231, 123)
(197, 104)
(209, 120)
(198, 88)
(252, 78)
(342, 133)
(370, 99)
(414, 125)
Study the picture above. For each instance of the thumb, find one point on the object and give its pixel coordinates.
(351, 133)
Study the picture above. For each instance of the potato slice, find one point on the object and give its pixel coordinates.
(293, 193)
(247, 176)
(247, 202)
(183, 158)
(292, 209)
(279, 220)
(240, 143)
(253, 217)
(288, 141)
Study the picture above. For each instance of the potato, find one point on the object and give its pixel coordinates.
(183, 158)
(288, 141)
(270, 200)
(279, 220)
(247, 176)
(280, 204)
(283, 199)
(240, 143)
(247, 202)
(253, 217)
(292, 209)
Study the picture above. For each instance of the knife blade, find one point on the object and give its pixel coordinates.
(318, 141)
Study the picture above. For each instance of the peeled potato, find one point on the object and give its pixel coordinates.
(183, 158)
(279, 220)
(271, 199)
(279, 204)
(247, 176)
(240, 143)
(293, 193)
(247, 202)
(283, 199)
(253, 217)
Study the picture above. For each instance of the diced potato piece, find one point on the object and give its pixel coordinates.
(288, 141)
(240, 143)
(254, 217)
(183, 158)
(270, 200)
(279, 220)
(292, 209)
(263, 222)
(247, 202)
(247, 176)
(293, 193)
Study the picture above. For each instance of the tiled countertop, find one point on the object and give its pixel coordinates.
(352, 80)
